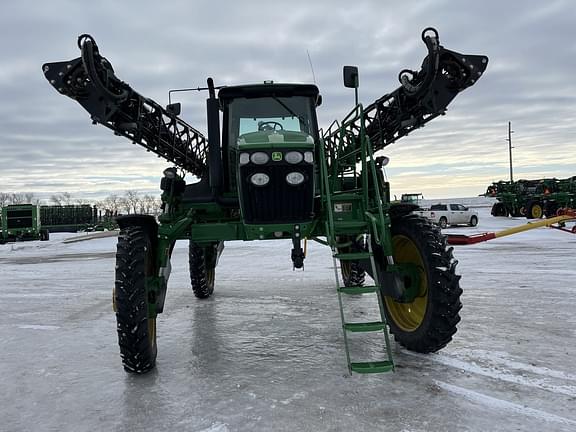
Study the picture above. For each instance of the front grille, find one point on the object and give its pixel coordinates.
(277, 202)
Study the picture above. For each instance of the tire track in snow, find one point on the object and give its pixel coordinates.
(504, 405)
(502, 374)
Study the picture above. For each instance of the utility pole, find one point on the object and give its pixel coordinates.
(510, 132)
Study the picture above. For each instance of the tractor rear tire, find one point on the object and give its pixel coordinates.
(535, 210)
(352, 273)
(202, 274)
(136, 331)
(428, 323)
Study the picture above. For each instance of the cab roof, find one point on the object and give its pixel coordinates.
(268, 90)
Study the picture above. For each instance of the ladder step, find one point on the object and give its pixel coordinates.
(352, 256)
(363, 327)
(352, 225)
(358, 289)
(345, 196)
(372, 367)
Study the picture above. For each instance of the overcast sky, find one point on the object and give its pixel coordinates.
(48, 144)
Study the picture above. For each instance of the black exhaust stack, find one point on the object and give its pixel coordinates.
(214, 152)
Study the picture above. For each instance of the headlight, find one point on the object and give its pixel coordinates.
(259, 179)
(293, 157)
(309, 157)
(295, 178)
(259, 158)
(244, 158)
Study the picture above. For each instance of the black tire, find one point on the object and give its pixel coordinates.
(443, 222)
(516, 212)
(352, 273)
(534, 210)
(44, 235)
(550, 209)
(136, 332)
(473, 221)
(498, 209)
(427, 323)
(202, 269)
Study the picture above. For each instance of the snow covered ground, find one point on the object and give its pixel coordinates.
(266, 352)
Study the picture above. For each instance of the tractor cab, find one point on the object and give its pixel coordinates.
(269, 144)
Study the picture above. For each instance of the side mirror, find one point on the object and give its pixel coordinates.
(174, 108)
(351, 79)
(319, 100)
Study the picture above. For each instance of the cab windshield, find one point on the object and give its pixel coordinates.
(247, 115)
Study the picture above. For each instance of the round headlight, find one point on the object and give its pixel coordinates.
(259, 158)
(295, 178)
(259, 179)
(293, 157)
(244, 158)
(309, 157)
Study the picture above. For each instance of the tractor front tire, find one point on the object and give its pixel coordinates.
(202, 274)
(535, 210)
(428, 322)
(136, 331)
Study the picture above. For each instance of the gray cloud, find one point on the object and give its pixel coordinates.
(48, 145)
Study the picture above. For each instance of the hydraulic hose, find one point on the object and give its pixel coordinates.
(89, 52)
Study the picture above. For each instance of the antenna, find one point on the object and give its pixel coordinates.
(509, 139)
(311, 67)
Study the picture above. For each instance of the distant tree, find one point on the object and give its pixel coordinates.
(132, 201)
(124, 205)
(17, 198)
(66, 198)
(112, 203)
(4, 199)
(150, 205)
(30, 198)
(62, 198)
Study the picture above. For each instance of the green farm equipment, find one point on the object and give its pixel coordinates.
(533, 199)
(269, 173)
(22, 222)
(68, 218)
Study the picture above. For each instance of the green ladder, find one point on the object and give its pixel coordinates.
(347, 145)
(387, 364)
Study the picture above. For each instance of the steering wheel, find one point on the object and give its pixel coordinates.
(269, 126)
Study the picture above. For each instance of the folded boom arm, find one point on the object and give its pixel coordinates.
(422, 96)
(90, 80)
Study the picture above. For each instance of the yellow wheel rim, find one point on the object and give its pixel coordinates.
(409, 316)
(536, 211)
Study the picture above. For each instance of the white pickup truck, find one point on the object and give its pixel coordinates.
(450, 214)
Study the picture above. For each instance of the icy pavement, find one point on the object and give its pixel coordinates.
(266, 352)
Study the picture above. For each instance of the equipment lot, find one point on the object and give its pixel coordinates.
(266, 352)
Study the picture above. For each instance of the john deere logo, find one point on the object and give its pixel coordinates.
(276, 156)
